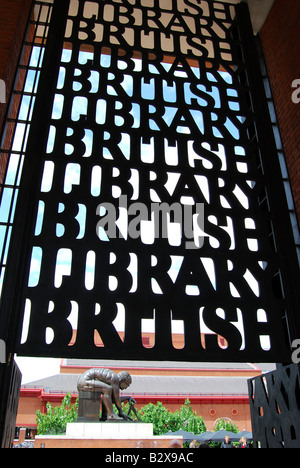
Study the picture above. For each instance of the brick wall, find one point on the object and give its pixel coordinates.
(210, 408)
(281, 44)
(13, 21)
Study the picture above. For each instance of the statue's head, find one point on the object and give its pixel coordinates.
(125, 380)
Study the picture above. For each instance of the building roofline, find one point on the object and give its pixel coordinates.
(253, 371)
(142, 397)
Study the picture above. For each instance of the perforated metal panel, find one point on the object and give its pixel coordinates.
(148, 201)
(275, 407)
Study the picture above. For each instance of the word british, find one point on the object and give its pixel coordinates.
(167, 26)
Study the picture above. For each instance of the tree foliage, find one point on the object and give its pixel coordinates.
(161, 418)
(225, 424)
(164, 420)
(55, 420)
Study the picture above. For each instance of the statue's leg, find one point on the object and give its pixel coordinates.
(107, 404)
(89, 386)
(103, 410)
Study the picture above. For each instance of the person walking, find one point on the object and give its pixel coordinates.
(193, 444)
(226, 443)
(243, 443)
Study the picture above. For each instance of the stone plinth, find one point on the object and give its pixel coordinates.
(89, 407)
(106, 435)
(110, 430)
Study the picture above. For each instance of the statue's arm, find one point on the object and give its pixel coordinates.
(116, 397)
(128, 398)
(118, 402)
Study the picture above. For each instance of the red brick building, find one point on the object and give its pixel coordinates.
(280, 38)
(214, 390)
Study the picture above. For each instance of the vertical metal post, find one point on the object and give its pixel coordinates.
(283, 234)
(12, 384)
(10, 319)
(24, 218)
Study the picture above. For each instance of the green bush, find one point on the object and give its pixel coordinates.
(226, 424)
(55, 420)
(164, 420)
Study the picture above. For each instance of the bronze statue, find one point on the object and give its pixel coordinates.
(108, 384)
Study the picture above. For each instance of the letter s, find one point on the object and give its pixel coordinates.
(296, 94)
(192, 8)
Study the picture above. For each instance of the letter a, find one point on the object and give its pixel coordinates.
(296, 94)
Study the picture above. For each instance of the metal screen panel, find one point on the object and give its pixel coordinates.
(146, 198)
(275, 408)
(10, 382)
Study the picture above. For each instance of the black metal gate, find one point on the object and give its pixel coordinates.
(151, 192)
(275, 408)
